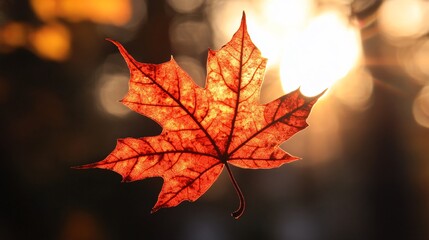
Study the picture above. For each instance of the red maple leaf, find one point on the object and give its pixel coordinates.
(205, 129)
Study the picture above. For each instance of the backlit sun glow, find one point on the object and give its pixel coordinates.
(309, 47)
(320, 55)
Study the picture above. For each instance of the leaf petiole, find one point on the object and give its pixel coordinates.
(242, 205)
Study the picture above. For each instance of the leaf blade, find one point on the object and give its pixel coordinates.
(205, 129)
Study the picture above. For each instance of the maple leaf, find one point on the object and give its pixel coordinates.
(205, 129)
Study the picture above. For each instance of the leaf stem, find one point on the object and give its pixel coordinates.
(237, 213)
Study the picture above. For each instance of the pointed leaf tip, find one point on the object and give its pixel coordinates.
(243, 21)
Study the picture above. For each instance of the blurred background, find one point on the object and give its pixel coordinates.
(365, 167)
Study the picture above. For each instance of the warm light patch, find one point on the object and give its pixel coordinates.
(421, 107)
(269, 21)
(404, 18)
(223, 17)
(355, 90)
(311, 51)
(112, 87)
(185, 6)
(287, 15)
(414, 59)
(117, 12)
(421, 59)
(279, 21)
(323, 53)
(13, 34)
(46, 10)
(51, 42)
(194, 68)
(190, 36)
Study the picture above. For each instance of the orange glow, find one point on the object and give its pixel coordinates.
(46, 10)
(323, 53)
(13, 34)
(117, 12)
(51, 42)
(81, 225)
